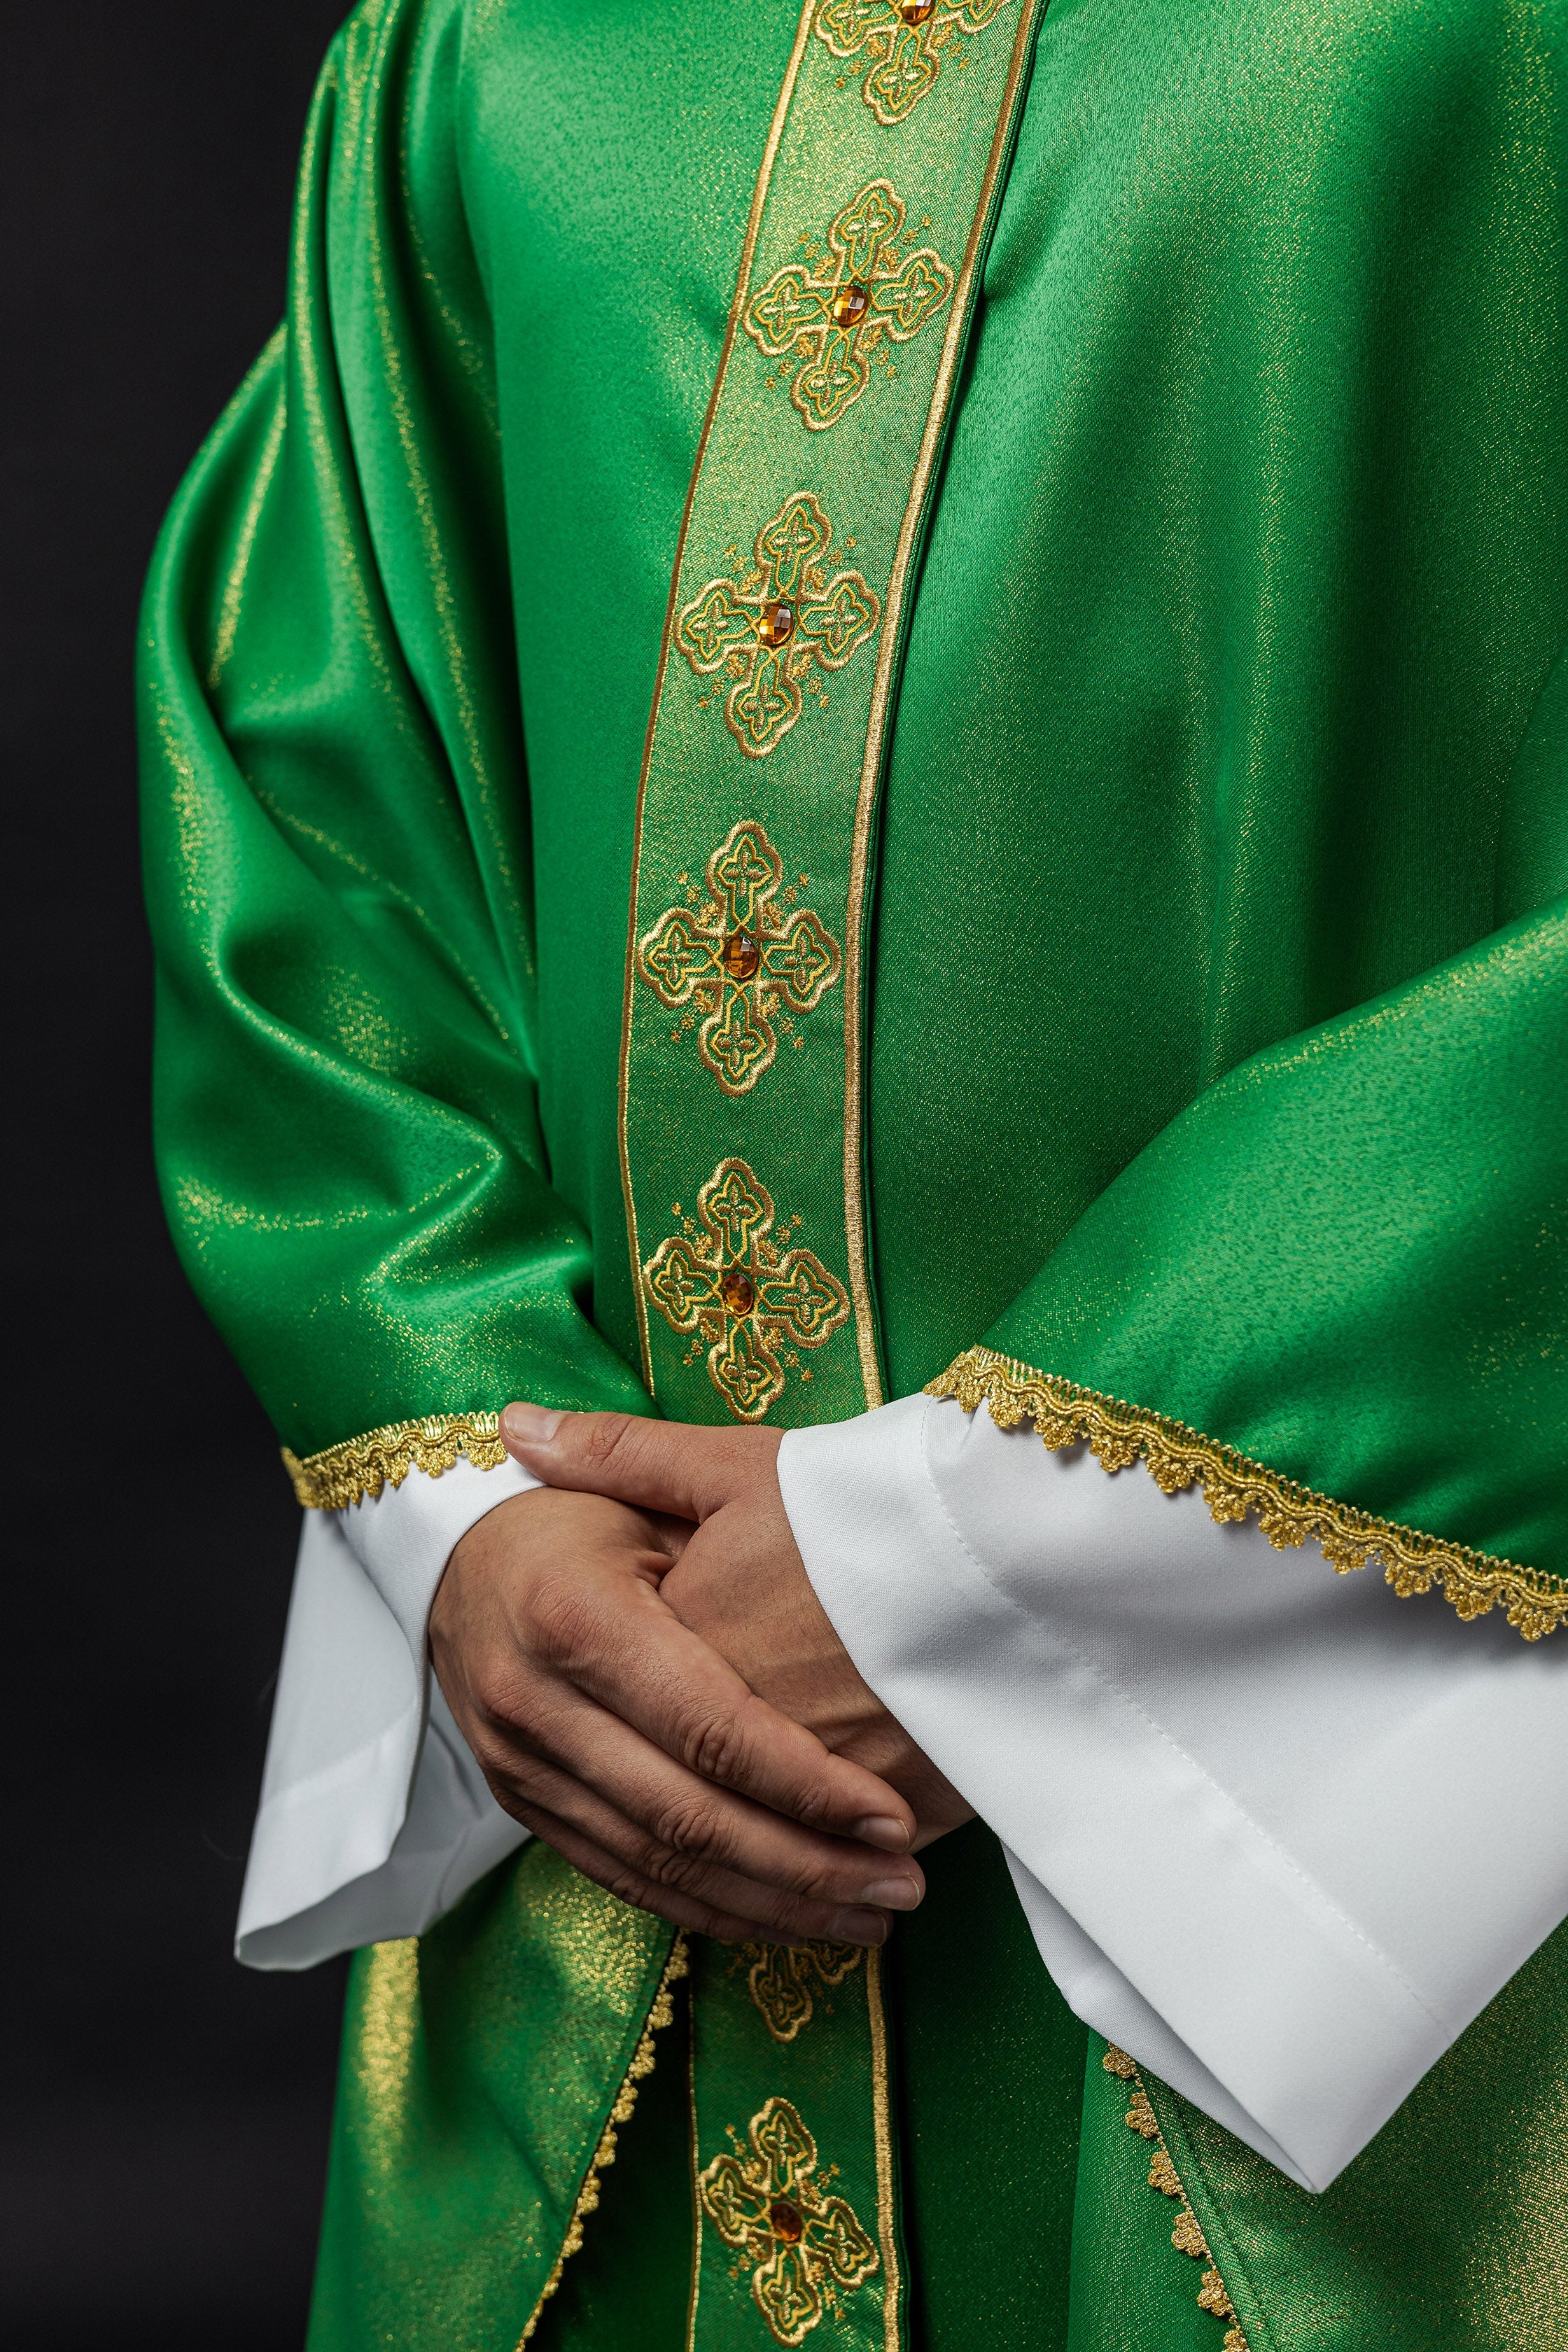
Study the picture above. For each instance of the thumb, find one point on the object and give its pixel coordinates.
(661, 1465)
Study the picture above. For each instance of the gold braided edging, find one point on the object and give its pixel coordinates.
(642, 2064)
(1187, 2237)
(358, 1469)
(1232, 1484)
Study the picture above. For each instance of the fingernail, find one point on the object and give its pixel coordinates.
(859, 1927)
(530, 1424)
(880, 1829)
(892, 1893)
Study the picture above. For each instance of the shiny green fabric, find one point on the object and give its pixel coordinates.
(1216, 999)
(991, 2066)
(480, 2066)
(990, 2087)
(1230, 708)
(631, 2282)
(1446, 2234)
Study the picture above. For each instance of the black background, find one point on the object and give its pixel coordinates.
(162, 2113)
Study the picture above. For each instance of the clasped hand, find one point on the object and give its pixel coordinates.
(635, 1655)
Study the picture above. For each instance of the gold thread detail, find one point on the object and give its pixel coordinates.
(749, 964)
(642, 2065)
(1474, 1582)
(805, 2251)
(1187, 2237)
(882, 2127)
(770, 628)
(780, 1980)
(358, 1469)
(736, 305)
(694, 2169)
(834, 309)
(752, 1304)
(905, 41)
(876, 729)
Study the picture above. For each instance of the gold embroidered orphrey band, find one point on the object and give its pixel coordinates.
(791, 2152)
(806, 2250)
(1475, 1582)
(782, 634)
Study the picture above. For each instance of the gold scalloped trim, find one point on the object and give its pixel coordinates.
(642, 2065)
(1187, 2237)
(1232, 1484)
(359, 1468)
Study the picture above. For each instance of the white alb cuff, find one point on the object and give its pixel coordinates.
(375, 1818)
(1279, 1833)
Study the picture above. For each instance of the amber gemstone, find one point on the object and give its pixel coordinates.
(850, 304)
(915, 12)
(777, 623)
(788, 2220)
(741, 955)
(737, 1291)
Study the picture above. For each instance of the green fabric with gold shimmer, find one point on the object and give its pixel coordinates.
(1225, 714)
(481, 2067)
(1214, 969)
(1449, 2230)
(1445, 2235)
(991, 2085)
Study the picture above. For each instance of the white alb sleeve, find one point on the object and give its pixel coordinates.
(375, 1818)
(1279, 1833)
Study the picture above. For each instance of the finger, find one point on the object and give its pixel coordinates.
(560, 1810)
(657, 1677)
(607, 1870)
(661, 1466)
(562, 1749)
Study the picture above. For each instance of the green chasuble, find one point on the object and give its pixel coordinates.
(868, 696)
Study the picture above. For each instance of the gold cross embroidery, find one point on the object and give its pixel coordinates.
(837, 312)
(779, 1980)
(805, 2249)
(769, 627)
(905, 40)
(739, 958)
(722, 1279)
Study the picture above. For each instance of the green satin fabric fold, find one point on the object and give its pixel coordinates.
(1445, 2235)
(1215, 995)
(337, 846)
(1230, 707)
(1275, 704)
(481, 2066)
(469, 2105)
(1377, 1196)
(1023, 2235)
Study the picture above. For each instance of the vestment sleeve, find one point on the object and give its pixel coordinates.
(1281, 1837)
(336, 831)
(1334, 1289)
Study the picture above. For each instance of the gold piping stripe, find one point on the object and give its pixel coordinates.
(742, 288)
(358, 1469)
(1473, 1581)
(642, 2065)
(887, 2213)
(854, 922)
(693, 2169)
(1187, 2237)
